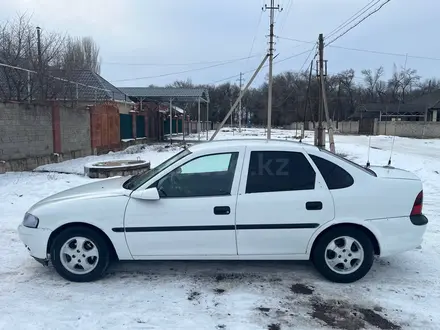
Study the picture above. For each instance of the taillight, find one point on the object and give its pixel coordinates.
(418, 204)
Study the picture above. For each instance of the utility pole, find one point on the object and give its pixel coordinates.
(239, 106)
(272, 8)
(320, 131)
(40, 62)
(323, 99)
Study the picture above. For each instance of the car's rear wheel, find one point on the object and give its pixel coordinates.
(343, 254)
(80, 254)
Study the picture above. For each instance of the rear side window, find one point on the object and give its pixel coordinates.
(335, 176)
(271, 171)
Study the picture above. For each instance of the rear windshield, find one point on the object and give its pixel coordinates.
(365, 169)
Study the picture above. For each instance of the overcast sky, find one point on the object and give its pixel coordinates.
(163, 33)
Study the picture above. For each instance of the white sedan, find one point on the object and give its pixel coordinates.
(229, 200)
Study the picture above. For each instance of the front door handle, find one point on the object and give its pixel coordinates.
(222, 210)
(312, 206)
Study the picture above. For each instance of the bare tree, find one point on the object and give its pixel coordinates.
(47, 74)
(373, 83)
(14, 39)
(81, 53)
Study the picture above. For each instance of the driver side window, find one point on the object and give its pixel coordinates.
(210, 175)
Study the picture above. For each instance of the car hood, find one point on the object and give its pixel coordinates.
(102, 188)
(389, 172)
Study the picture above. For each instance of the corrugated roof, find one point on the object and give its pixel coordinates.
(165, 93)
(91, 86)
(392, 108)
(431, 100)
(99, 88)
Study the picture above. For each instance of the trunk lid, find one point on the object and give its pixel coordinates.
(389, 172)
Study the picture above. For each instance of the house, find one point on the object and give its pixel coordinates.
(89, 87)
(423, 108)
(150, 99)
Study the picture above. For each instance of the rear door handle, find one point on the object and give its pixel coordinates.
(311, 206)
(222, 210)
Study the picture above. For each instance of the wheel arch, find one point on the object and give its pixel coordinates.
(57, 231)
(358, 226)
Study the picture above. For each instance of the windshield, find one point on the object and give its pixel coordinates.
(138, 180)
(365, 169)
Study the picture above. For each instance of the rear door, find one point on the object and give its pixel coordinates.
(282, 200)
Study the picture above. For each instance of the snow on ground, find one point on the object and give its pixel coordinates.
(399, 292)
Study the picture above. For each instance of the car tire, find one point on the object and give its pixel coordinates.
(80, 254)
(343, 254)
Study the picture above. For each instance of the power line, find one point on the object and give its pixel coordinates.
(228, 78)
(180, 72)
(302, 67)
(367, 50)
(178, 64)
(353, 17)
(275, 62)
(289, 7)
(387, 53)
(297, 40)
(345, 23)
(307, 59)
(255, 35)
(352, 27)
(295, 55)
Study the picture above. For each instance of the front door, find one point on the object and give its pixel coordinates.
(195, 215)
(281, 202)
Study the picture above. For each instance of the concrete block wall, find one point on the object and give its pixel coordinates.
(75, 131)
(25, 131)
(310, 125)
(348, 127)
(33, 135)
(409, 129)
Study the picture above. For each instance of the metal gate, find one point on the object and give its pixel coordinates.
(140, 126)
(366, 126)
(126, 126)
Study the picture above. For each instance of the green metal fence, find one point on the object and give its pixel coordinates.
(140, 126)
(126, 123)
(175, 123)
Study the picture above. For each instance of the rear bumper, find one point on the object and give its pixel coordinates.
(396, 235)
(418, 220)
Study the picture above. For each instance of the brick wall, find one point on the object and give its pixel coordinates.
(75, 131)
(25, 131)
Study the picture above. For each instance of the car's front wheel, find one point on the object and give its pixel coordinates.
(343, 254)
(80, 254)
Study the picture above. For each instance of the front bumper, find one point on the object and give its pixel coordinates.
(35, 240)
(44, 262)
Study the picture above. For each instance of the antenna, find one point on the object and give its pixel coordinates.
(398, 111)
(369, 147)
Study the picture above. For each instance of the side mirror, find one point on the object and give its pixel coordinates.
(150, 194)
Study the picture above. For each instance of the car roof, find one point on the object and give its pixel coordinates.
(212, 145)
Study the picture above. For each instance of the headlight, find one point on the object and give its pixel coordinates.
(30, 221)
